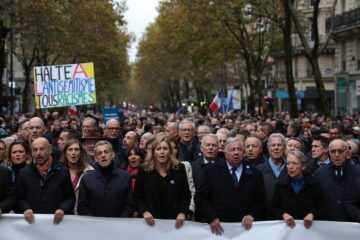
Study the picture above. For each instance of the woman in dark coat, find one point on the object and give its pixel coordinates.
(298, 196)
(161, 189)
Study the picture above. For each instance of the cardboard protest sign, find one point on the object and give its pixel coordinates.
(64, 85)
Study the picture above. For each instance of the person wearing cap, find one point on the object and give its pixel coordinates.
(45, 185)
(89, 142)
(106, 191)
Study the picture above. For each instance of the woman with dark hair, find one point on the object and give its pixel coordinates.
(161, 189)
(134, 157)
(19, 155)
(298, 196)
(75, 158)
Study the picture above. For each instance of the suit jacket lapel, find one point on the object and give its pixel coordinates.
(226, 173)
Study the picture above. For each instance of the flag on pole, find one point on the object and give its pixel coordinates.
(72, 111)
(216, 103)
(227, 104)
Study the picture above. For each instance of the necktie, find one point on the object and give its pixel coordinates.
(233, 175)
(322, 164)
(338, 174)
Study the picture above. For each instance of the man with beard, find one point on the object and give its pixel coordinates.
(45, 185)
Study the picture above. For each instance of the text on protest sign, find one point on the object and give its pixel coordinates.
(64, 85)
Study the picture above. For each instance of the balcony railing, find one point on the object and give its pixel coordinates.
(345, 20)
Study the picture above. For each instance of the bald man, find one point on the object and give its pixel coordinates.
(337, 180)
(36, 128)
(112, 135)
(45, 185)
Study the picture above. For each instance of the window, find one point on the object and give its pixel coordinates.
(343, 56)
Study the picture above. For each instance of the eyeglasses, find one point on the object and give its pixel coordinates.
(339, 151)
(113, 129)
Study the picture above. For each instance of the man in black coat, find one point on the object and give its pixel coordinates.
(187, 143)
(7, 198)
(107, 191)
(209, 149)
(45, 185)
(337, 180)
(230, 191)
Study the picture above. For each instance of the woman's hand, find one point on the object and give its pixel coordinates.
(180, 219)
(149, 218)
(289, 220)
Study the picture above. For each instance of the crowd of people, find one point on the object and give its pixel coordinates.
(230, 168)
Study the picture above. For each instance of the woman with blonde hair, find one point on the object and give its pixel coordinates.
(161, 188)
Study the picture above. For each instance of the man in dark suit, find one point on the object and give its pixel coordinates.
(230, 191)
(209, 149)
(337, 180)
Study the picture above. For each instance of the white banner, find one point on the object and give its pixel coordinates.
(14, 227)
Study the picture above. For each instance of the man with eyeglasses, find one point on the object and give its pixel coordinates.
(274, 168)
(187, 143)
(112, 135)
(337, 180)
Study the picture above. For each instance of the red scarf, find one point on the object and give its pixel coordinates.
(43, 168)
(133, 173)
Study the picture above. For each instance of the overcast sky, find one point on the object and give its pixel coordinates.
(139, 14)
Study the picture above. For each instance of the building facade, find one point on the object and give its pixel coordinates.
(346, 35)
(307, 94)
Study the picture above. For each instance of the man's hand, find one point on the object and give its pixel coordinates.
(289, 220)
(216, 227)
(308, 220)
(180, 219)
(58, 216)
(247, 222)
(29, 216)
(149, 218)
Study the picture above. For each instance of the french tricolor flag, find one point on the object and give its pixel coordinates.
(72, 111)
(215, 104)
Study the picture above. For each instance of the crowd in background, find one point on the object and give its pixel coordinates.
(223, 168)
